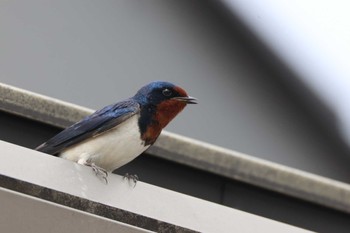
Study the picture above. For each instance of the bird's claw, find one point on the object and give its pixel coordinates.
(134, 178)
(100, 172)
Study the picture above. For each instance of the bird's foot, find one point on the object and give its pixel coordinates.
(99, 172)
(131, 177)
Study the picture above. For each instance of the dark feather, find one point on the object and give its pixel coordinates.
(97, 123)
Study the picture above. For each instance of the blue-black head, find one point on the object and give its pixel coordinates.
(158, 92)
(159, 103)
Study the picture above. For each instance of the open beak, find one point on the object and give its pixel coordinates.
(186, 99)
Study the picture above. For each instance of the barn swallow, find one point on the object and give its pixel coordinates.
(118, 133)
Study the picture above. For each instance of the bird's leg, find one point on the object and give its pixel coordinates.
(134, 178)
(99, 171)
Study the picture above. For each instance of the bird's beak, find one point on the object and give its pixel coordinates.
(186, 99)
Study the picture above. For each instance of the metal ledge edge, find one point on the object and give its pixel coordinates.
(180, 149)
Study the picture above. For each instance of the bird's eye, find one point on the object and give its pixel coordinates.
(167, 92)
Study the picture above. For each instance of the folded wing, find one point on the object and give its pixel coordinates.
(91, 126)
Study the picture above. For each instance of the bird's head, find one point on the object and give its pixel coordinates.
(164, 99)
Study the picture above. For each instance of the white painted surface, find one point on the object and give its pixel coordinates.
(148, 200)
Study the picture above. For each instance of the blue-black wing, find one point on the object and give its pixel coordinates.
(97, 123)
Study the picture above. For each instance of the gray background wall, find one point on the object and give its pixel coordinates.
(93, 53)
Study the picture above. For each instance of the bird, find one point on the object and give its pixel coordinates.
(118, 133)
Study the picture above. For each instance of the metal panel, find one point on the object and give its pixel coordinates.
(183, 150)
(147, 206)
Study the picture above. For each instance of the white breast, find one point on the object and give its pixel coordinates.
(111, 149)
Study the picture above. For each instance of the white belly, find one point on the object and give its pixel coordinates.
(111, 149)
